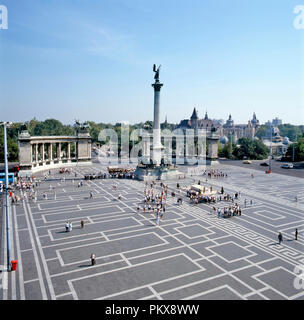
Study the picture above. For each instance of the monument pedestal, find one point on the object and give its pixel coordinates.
(211, 162)
(153, 172)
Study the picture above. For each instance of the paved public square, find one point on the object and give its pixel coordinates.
(193, 254)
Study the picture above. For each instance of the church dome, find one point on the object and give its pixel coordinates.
(286, 140)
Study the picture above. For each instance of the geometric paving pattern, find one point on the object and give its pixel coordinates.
(193, 254)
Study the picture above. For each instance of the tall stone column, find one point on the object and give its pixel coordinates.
(157, 147)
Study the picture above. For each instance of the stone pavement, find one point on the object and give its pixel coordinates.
(193, 254)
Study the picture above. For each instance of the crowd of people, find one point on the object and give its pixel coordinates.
(24, 188)
(215, 173)
(154, 201)
(227, 212)
(100, 175)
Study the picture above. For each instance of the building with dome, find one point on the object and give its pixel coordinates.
(273, 140)
(239, 130)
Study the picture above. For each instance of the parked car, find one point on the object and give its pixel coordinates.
(264, 164)
(247, 162)
(287, 166)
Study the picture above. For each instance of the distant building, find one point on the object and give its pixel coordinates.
(272, 132)
(195, 123)
(273, 139)
(278, 146)
(239, 130)
(276, 122)
(224, 129)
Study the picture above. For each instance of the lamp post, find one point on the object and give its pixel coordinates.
(293, 149)
(5, 125)
(230, 145)
(270, 157)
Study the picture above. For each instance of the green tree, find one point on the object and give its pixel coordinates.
(291, 131)
(298, 149)
(261, 132)
(224, 151)
(12, 147)
(251, 149)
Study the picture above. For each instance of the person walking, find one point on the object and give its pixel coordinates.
(91, 194)
(157, 218)
(82, 223)
(93, 259)
(66, 227)
(280, 237)
(70, 226)
(296, 234)
(164, 210)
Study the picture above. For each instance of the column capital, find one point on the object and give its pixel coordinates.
(157, 86)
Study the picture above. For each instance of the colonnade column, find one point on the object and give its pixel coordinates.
(42, 152)
(59, 151)
(69, 152)
(50, 152)
(36, 152)
(145, 149)
(201, 147)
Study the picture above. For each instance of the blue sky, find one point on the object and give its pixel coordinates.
(92, 60)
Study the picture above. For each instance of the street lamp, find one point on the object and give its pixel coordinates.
(6, 125)
(293, 149)
(270, 152)
(230, 151)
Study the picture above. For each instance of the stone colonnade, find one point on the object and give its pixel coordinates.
(46, 152)
(52, 152)
(189, 147)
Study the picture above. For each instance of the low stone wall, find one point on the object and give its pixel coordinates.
(23, 173)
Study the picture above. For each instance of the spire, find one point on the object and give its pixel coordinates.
(194, 115)
(206, 115)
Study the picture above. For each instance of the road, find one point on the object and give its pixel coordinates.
(297, 171)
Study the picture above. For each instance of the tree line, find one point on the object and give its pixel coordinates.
(251, 149)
